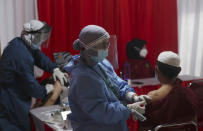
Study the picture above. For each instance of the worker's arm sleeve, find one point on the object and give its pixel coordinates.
(92, 98)
(43, 62)
(32, 87)
(121, 85)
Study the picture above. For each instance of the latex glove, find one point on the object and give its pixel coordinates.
(139, 106)
(129, 96)
(145, 98)
(58, 75)
(49, 88)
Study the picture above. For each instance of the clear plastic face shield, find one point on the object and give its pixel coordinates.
(45, 39)
(42, 37)
(37, 38)
(104, 47)
(113, 52)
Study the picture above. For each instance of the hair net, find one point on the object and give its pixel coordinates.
(90, 36)
(91, 39)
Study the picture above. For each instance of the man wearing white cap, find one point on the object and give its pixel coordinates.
(17, 82)
(171, 102)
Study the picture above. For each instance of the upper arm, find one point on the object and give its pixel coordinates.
(55, 94)
(154, 96)
(159, 94)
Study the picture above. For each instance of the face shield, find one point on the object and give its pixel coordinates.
(36, 34)
(42, 36)
(103, 47)
(45, 39)
(113, 52)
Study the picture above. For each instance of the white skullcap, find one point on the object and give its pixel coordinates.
(170, 58)
(33, 25)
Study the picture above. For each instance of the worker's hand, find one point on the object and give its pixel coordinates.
(136, 98)
(58, 75)
(138, 106)
(145, 98)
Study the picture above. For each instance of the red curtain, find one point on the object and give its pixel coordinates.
(154, 21)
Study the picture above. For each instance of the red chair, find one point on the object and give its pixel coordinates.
(197, 88)
(186, 126)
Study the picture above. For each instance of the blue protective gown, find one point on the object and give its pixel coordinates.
(94, 106)
(18, 85)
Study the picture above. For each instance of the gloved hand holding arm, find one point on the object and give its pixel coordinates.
(59, 75)
(137, 110)
(130, 95)
(133, 97)
(144, 98)
(45, 63)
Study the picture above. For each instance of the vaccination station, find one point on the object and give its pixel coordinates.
(101, 65)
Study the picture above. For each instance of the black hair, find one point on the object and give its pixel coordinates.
(134, 47)
(168, 70)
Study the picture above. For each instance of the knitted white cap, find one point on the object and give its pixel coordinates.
(170, 58)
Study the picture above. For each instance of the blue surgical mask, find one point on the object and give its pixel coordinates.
(102, 54)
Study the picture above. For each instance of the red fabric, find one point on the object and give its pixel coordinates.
(47, 128)
(32, 123)
(197, 88)
(153, 21)
(137, 69)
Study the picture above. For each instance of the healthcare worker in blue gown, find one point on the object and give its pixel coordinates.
(17, 82)
(95, 89)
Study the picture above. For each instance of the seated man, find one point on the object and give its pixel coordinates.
(137, 66)
(171, 102)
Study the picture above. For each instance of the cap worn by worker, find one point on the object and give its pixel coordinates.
(36, 33)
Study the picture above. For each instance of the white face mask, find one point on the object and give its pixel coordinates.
(143, 52)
